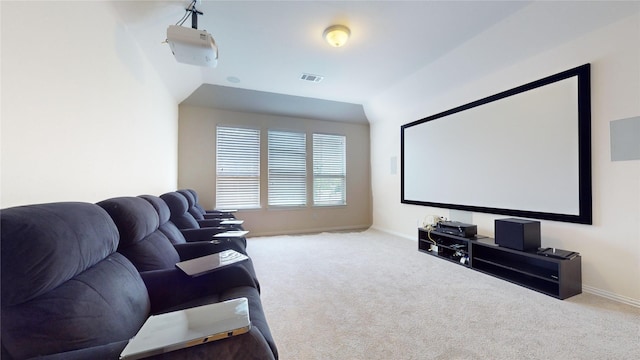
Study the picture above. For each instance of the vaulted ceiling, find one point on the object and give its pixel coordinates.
(265, 46)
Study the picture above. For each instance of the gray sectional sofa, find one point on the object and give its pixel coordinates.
(80, 279)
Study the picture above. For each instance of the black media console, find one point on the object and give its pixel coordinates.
(560, 278)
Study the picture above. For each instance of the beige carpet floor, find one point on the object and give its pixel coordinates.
(371, 295)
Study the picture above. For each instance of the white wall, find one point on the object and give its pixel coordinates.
(610, 248)
(197, 156)
(84, 115)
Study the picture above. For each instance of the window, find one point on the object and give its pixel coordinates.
(329, 170)
(287, 168)
(238, 168)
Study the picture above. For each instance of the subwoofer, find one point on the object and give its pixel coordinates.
(518, 234)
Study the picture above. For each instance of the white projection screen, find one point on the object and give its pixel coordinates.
(524, 152)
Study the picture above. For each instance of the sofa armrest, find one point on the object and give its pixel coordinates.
(210, 223)
(251, 345)
(229, 212)
(211, 227)
(240, 241)
(196, 249)
(206, 234)
(168, 288)
(107, 351)
(218, 216)
(203, 234)
(248, 346)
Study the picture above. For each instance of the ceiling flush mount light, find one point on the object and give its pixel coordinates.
(336, 35)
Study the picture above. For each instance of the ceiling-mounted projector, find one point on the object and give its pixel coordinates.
(192, 46)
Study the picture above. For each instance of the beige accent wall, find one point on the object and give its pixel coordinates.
(85, 116)
(610, 248)
(197, 170)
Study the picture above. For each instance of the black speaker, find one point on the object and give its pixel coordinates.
(523, 235)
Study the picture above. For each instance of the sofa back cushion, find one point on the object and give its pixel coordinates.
(63, 285)
(164, 214)
(191, 205)
(179, 207)
(196, 201)
(141, 241)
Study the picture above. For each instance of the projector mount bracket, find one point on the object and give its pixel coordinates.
(193, 12)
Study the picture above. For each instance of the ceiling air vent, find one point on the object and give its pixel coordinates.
(311, 77)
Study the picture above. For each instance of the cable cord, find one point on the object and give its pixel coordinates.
(187, 13)
(430, 227)
(429, 230)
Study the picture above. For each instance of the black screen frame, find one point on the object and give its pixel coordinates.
(584, 215)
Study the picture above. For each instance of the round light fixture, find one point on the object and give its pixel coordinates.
(336, 35)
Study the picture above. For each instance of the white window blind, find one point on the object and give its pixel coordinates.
(287, 168)
(329, 170)
(237, 168)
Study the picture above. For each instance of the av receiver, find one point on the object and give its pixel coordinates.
(457, 228)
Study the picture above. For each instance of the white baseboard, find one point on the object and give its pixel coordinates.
(611, 296)
(414, 238)
(308, 231)
(588, 289)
